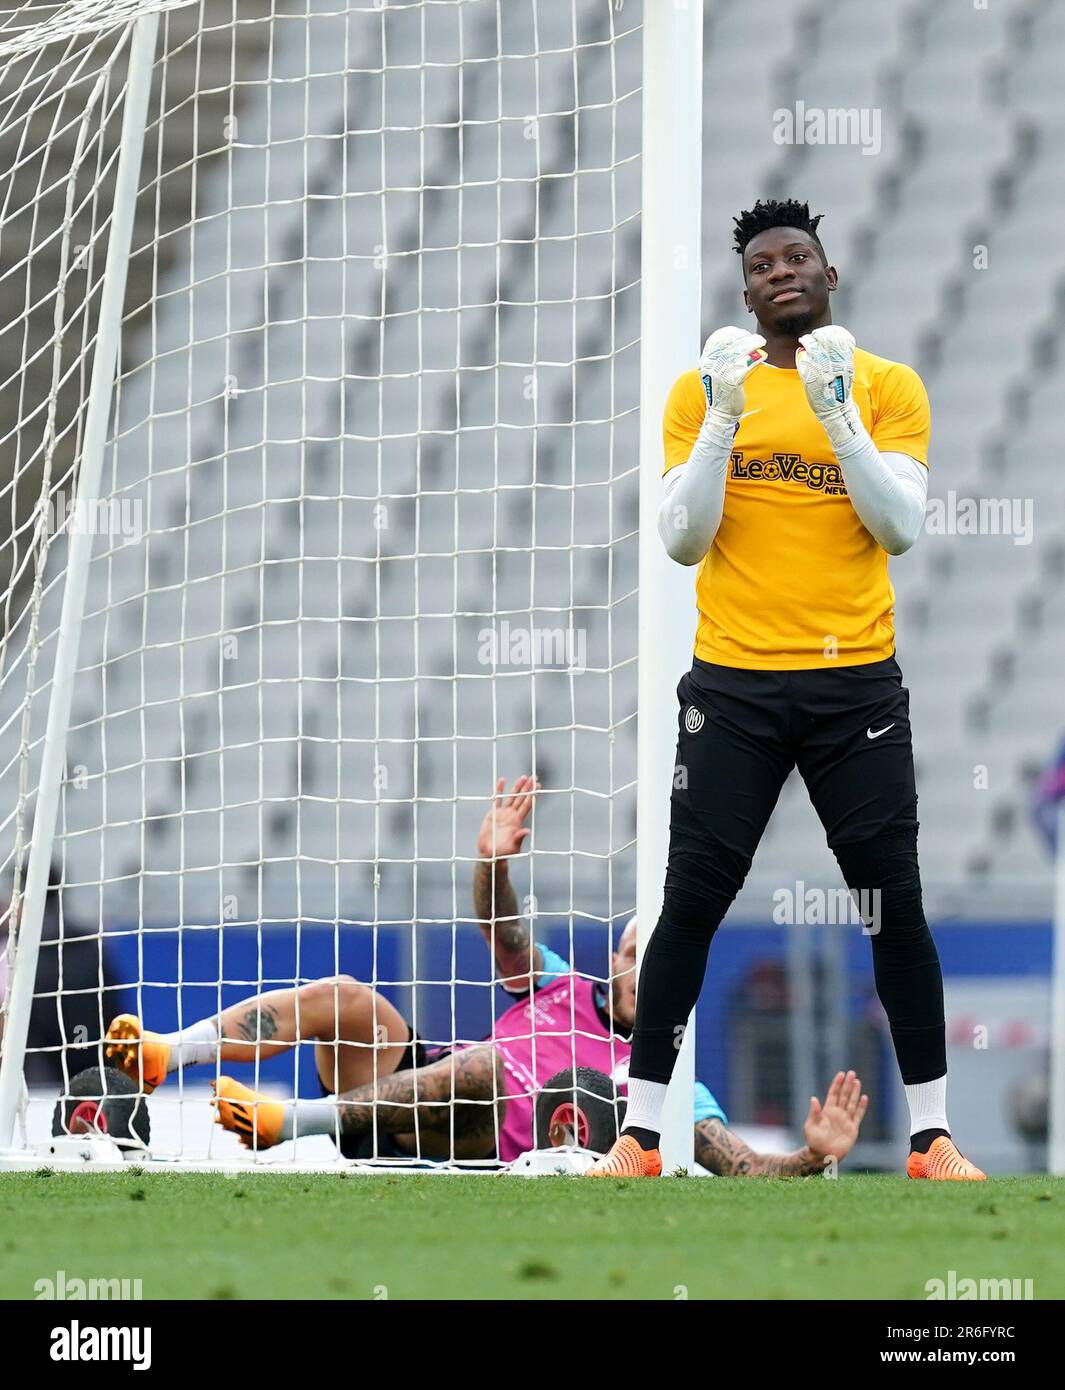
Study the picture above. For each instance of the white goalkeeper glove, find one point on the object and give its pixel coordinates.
(825, 359)
(729, 354)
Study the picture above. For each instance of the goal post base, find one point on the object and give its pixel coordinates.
(97, 1153)
(565, 1161)
(64, 1153)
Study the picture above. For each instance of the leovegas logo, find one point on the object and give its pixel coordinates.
(790, 468)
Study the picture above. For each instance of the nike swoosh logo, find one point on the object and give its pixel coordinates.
(747, 413)
(869, 733)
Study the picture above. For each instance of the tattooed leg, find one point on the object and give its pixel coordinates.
(356, 1028)
(459, 1098)
(362, 1036)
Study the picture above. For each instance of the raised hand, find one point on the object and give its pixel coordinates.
(832, 1129)
(503, 830)
(729, 354)
(825, 360)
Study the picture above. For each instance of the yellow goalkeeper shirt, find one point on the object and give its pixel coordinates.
(793, 580)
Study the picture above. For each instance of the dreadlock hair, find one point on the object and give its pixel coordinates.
(774, 212)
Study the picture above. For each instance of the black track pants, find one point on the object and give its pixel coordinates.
(847, 729)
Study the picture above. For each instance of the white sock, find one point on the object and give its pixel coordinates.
(928, 1105)
(195, 1044)
(310, 1117)
(646, 1099)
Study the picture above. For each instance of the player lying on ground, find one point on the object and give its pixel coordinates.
(394, 1095)
(795, 463)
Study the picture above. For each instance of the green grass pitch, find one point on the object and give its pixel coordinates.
(495, 1237)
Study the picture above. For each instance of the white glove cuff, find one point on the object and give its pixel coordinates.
(718, 428)
(845, 429)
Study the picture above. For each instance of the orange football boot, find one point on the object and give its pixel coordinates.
(627, 1160)
(255, 1120)
(132, 1049)
(943, 1163)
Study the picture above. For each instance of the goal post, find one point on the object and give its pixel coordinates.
(23, 961)
(671, 279)
(1056, 1097)
(336, 350)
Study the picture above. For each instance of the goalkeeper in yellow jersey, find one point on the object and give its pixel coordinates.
(795, 464)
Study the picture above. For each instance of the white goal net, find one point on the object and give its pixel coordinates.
(365, 535)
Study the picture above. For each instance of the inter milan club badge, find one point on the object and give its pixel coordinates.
(693, 719)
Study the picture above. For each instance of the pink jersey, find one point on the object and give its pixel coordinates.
(558, 1027)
